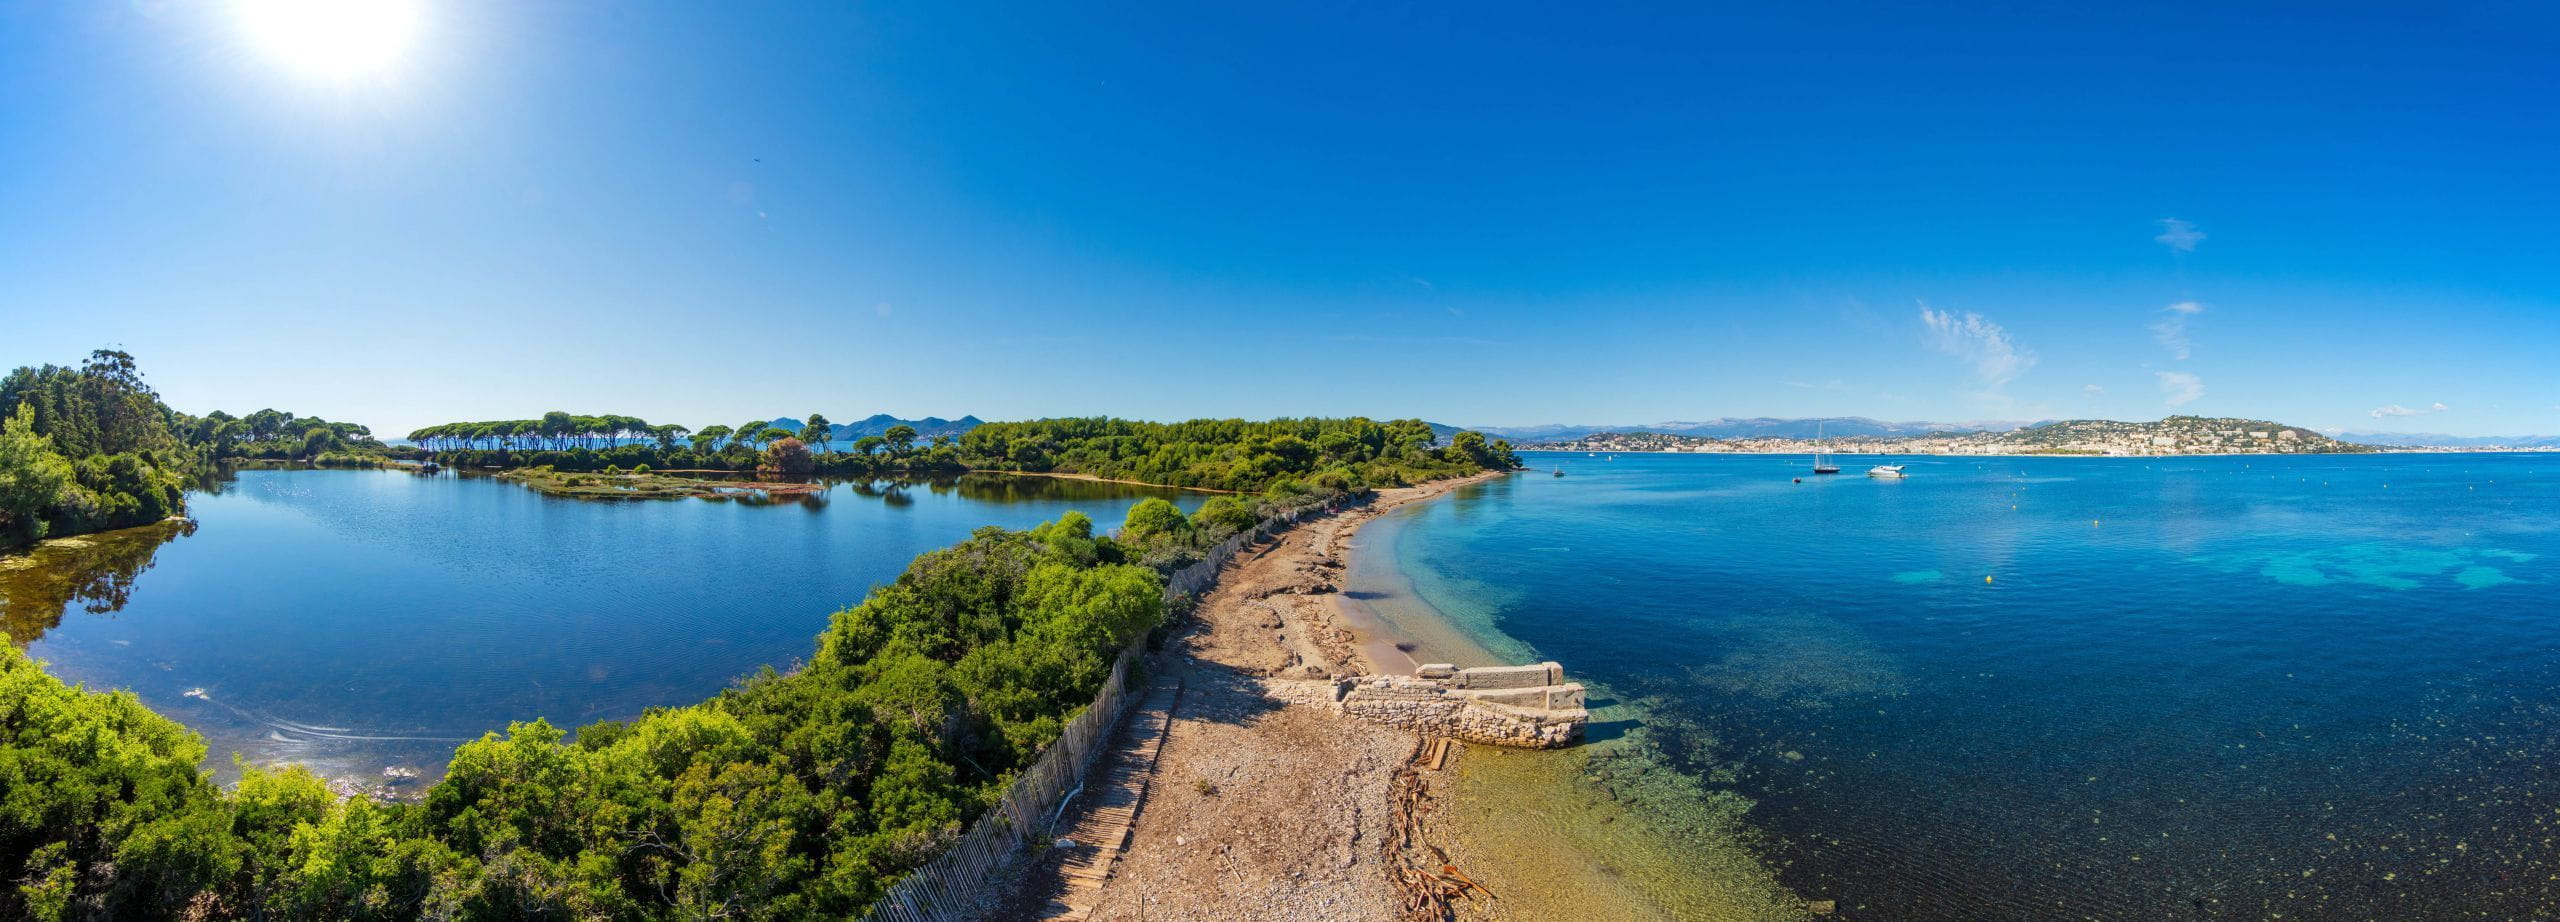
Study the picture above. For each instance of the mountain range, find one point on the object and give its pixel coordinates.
(879, 423)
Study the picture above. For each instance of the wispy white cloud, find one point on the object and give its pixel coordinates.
(2092, 389)
(2179, 388)
(2171, 330)
(2387, 412)
(1996, 359)
(2178, 235)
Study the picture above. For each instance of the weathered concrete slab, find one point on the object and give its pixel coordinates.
(1527, 706)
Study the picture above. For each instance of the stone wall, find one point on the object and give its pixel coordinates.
(1526, 706)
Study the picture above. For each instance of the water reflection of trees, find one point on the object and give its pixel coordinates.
(1016, 488)
(97, 572)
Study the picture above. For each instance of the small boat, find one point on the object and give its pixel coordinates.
(1559, 472)
(1885, 470)
(1820, 464)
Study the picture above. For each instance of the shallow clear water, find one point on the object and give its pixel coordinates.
(358, 620)
(2313, 687)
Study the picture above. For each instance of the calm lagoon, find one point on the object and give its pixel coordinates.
(2017, 688)
(359, 621)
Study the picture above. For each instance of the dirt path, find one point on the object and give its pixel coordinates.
(1265, 804)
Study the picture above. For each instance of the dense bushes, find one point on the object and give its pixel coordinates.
(1231, 454)
(788, 796)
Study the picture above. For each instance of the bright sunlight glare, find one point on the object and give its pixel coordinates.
(330, 38)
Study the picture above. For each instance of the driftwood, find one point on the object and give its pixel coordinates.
(1426, 879)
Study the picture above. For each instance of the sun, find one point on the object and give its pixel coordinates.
(337, 39)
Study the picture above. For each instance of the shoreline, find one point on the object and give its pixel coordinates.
(1267, 803)
(1264, 802)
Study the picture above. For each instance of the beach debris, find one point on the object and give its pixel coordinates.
(196, 693)
(1451, 871)
(1821, 907)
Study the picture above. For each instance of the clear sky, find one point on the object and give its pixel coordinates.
(1479, 214)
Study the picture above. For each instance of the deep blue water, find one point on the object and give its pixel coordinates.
(357, 620)
(2312, 687)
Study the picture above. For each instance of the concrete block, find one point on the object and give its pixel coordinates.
(1509, 676)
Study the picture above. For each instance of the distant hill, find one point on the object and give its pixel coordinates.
(2176, 435)
(1756, 427)
(2441, 440)
(879, 423)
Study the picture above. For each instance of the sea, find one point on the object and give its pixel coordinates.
(2029, 688)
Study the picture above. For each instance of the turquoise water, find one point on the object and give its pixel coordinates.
(2316, 687)
(364, 620)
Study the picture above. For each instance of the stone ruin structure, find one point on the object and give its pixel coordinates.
(1526, 706)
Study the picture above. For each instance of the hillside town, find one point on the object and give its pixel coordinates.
(2176, 435)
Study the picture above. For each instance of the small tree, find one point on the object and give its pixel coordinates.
(818, 432)
(317, 440)
(901, 437)
(868, 444)
(791, 456)
(1152, 519)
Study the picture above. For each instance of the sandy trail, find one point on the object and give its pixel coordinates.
(1265, 803)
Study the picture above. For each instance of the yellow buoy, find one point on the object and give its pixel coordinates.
(1986, 577)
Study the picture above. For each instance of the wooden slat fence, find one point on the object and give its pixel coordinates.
(953, 886)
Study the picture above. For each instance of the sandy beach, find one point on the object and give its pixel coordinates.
(1265, 803)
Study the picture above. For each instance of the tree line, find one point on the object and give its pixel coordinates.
(560, 430)
(1351, 454)
(565, 441)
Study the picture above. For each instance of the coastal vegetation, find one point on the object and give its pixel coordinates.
(1284, 455)
(788, 796)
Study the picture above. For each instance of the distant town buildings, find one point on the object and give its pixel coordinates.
(2177, 435)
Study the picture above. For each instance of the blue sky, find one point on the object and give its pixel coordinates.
(1477, 214)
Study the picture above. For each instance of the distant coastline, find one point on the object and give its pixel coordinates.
(1544, 450)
